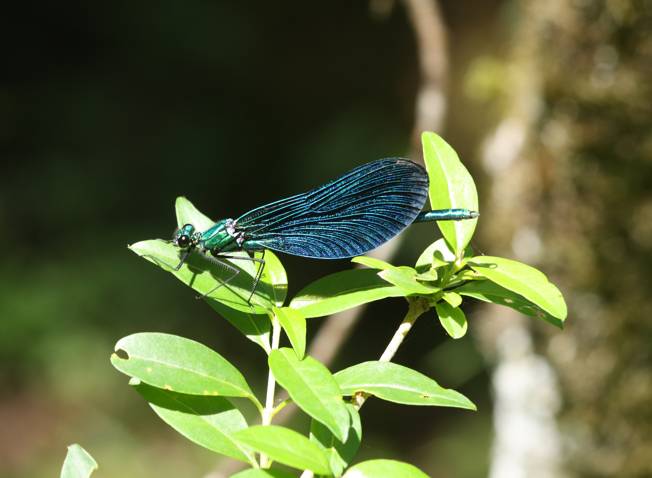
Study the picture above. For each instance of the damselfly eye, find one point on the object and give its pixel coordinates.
(183, 241)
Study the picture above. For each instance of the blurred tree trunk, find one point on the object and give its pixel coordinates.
(571, 168)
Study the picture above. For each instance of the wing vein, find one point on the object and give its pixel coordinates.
(348, 216)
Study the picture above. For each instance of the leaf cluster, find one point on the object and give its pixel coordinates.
(192, 387)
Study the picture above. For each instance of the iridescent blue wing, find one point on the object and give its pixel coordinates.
(346, 217)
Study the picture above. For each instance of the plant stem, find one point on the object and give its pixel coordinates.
(268, 411)
(416, 307)
(281, 406)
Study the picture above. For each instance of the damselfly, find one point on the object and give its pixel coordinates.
(346, 217)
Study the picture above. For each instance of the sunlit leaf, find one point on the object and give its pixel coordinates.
(406, 279)
(372, 262)
(78, 463)
(178, 364)
(187, 213)
(452, 319)
(341, 454)
(524, 280)
(294, 324)
(451, 186)
(402, 277)
(384, 469)
(399, 384)
(428, 276)
(488, 291)
(436, 254)
(341, 291)
(453, 298)
(207, 421)
(312, 387)
(274, 274)
(206, 276)
(260, 473)
(286, 446)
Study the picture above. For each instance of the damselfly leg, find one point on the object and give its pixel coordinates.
(259, 272)
(215, 259)
(234, 273)
(184, 256)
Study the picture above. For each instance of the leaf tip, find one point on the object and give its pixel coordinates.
(137, 247)
(120, 343)
(467, 404)
(428, 135)
(78, 462)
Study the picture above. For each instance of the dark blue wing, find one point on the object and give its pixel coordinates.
(346, 217)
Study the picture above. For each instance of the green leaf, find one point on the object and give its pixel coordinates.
(286, 446)
(78, 463)
(398, 384)
(178, 364)
(207, 421)
(488, 291)
(341, 454)
(256, 327)
(187, 213)
(453, 298)
(452, 319)
(260, 473)
(274, 274)
(372, 262)
(451, 186)
(312, 387)
(527, 281)
(341, 291)
(402, 277)
(294, 325)
(428, 276)
(384, 469)
(436, 254)
(406, 279)
(204, 276)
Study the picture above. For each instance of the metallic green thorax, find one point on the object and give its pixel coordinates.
(221, 237)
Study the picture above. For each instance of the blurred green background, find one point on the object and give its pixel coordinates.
(109, 111)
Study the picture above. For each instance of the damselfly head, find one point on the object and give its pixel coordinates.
(185, 237)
